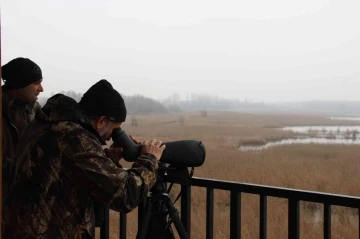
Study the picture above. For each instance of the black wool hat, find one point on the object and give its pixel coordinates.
(20, 72)
(103, 100)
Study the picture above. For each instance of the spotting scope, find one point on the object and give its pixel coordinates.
(180, 154)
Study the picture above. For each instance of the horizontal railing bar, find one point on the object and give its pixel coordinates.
(302, 195)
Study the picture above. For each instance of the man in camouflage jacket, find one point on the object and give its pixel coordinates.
(62, 169)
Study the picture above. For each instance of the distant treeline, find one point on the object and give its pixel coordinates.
(138, 104)
(135, 104)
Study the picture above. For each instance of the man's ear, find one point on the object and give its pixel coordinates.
(101, 122)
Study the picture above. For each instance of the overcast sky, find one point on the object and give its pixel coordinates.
(260, 50)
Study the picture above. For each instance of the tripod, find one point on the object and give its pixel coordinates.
(158, 207)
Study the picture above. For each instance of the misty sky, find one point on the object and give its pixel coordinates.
(259, 50)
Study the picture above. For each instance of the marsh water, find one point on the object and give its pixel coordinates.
(320, 134)
(355, 118)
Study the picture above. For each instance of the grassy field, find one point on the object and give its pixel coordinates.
(325, 168)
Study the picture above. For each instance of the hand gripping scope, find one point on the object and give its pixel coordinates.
(180, 154)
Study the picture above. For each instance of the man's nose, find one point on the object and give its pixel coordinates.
(41, 89)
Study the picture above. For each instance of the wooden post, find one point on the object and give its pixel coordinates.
(0, 136)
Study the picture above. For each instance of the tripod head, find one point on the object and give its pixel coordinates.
(170, 174)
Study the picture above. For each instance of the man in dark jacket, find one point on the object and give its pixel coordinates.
(62, 169)
(22, 78)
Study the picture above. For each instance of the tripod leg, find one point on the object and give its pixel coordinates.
(145, 222)
(158, 224)
(174, 215)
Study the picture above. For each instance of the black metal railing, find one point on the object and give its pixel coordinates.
(236, 189)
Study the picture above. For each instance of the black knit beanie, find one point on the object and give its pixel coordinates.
(103, 100)
(20, 72)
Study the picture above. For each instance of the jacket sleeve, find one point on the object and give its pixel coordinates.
(119, 189)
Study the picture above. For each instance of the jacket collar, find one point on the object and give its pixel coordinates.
(8, 102)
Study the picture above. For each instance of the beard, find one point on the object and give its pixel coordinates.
(104, 130)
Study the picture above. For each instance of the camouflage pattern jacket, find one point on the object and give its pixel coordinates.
(61, 170)
(16, 116)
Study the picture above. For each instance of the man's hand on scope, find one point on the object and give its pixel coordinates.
(153, 147)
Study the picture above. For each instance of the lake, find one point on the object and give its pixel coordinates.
(338, 134)
(355, 118)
